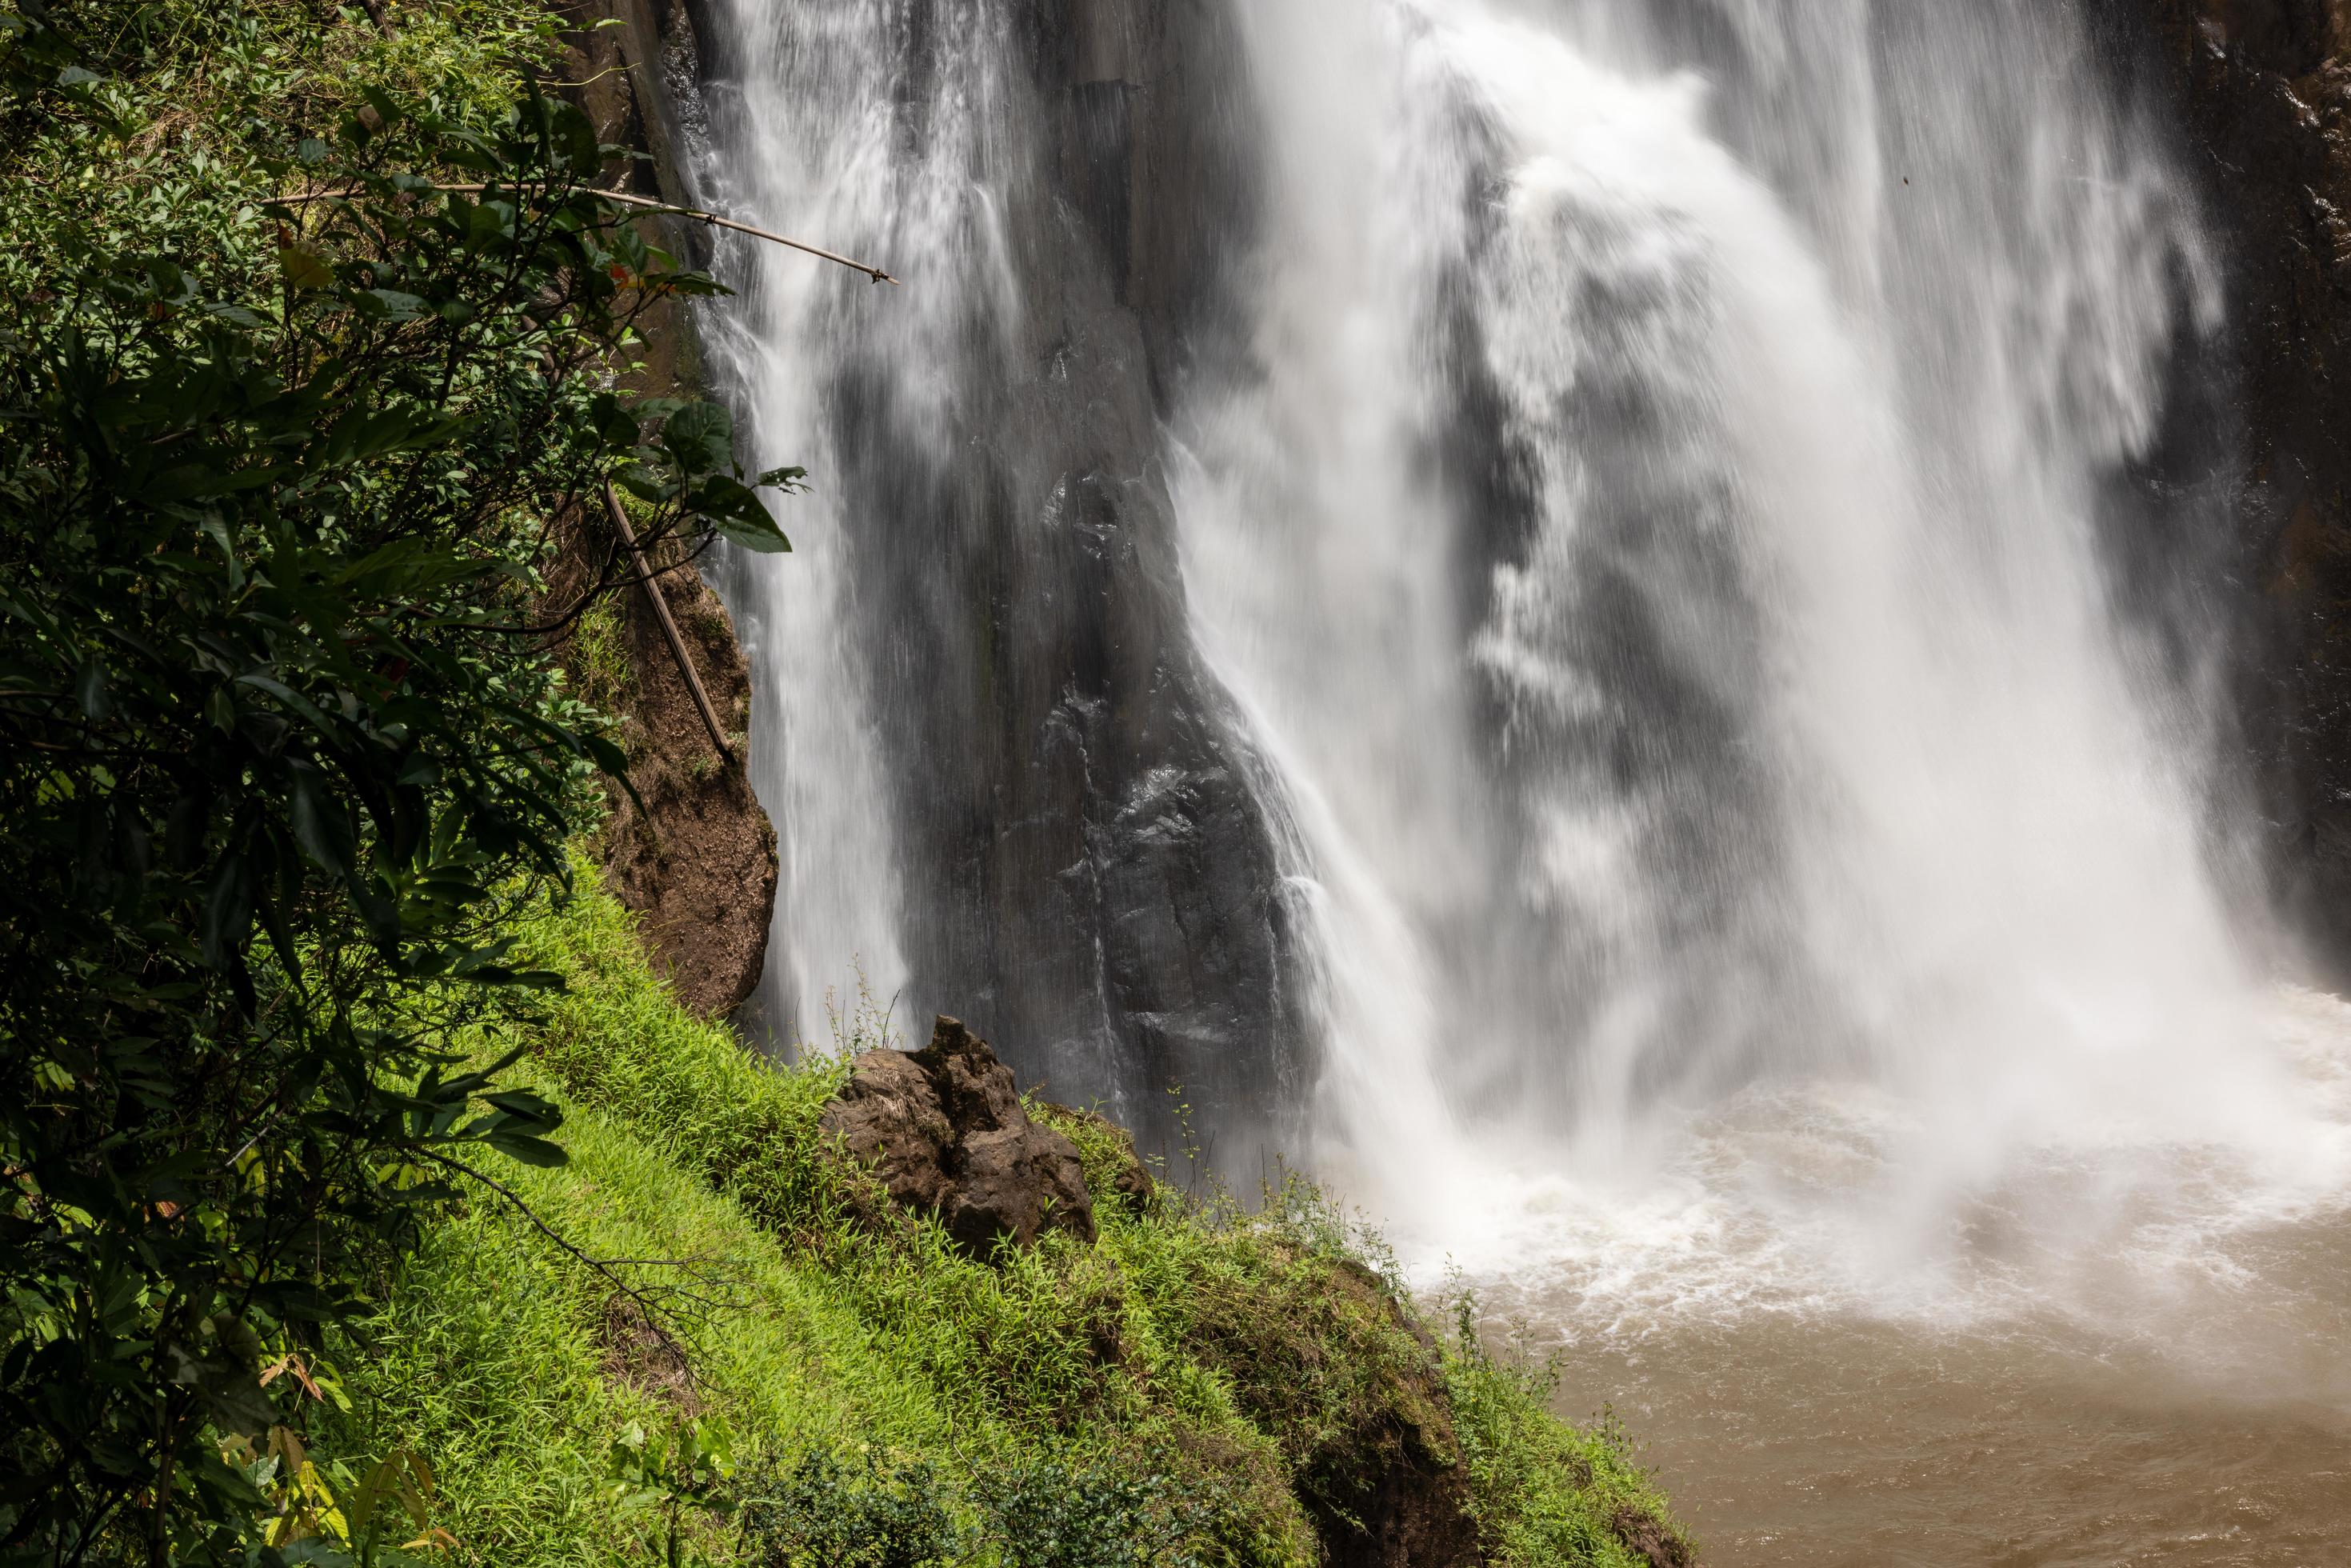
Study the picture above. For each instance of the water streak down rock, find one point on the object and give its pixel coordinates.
(945, 1130)
(1095, 881)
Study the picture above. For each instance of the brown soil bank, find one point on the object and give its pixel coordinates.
(693, 853)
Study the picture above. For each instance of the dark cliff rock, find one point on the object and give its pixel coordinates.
(945, 1130)
(1085, 868)
(2261, 90)
(1106, 871)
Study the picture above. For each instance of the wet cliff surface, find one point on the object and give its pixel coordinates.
(1088, 872)
(1076, 861)
(2260, 94)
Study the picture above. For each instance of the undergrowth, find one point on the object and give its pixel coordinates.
(1209, 1383)
(196, 96)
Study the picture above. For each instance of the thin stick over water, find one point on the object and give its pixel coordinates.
(653, 204)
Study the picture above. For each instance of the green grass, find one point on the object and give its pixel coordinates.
(1251, 1364)
(600, 656)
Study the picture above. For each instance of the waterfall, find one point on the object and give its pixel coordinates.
(1455, 584)
(1003, 784)
(1657, 521)
(829, 159)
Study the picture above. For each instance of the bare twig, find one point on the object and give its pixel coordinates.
(668, 625)
(652, 205)
(644, 1302)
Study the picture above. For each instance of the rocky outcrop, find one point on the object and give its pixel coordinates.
(1123, 1174)
(945, 1130)
(697, 862)
(2261, 90)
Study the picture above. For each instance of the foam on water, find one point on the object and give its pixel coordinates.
(1804, 1201)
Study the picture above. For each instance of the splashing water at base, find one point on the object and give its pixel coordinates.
(2125, 1350)
(1686, 672)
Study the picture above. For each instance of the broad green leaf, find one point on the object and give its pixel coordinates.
(302, 270)
(700, 437)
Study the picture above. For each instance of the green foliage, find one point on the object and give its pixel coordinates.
(1196, 1385)
(1546, 1492)
(279, 756)
(599, 655)
(670, 1471)
(825, 1513)
(1051, 1513)
(340, 1516)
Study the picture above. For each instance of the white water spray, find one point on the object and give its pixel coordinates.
(810, 124)
(1788, 731)
(1660, 540)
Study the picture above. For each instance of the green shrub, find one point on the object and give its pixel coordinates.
(1546, 1492)
(825, 1513)
(1091, 1513)
(282, 433)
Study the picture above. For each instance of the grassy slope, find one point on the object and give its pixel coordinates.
(1225, 1350)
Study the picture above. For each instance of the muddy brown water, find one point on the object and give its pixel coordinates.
(2118, 1352)
(1849, 1442)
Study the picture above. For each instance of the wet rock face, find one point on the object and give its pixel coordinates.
(945, 1130)
(1104, 878)
(1092, 875)
(2260, 93)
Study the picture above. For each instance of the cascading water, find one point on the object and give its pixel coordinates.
(1679, 605)
(1552, 607)
(1004, 786)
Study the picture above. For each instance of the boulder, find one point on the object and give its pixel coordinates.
(945, 1130)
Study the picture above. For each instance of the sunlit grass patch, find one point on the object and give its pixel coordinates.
(1225, 1373)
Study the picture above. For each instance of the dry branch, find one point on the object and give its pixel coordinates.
(668, 623)
(652, 205)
